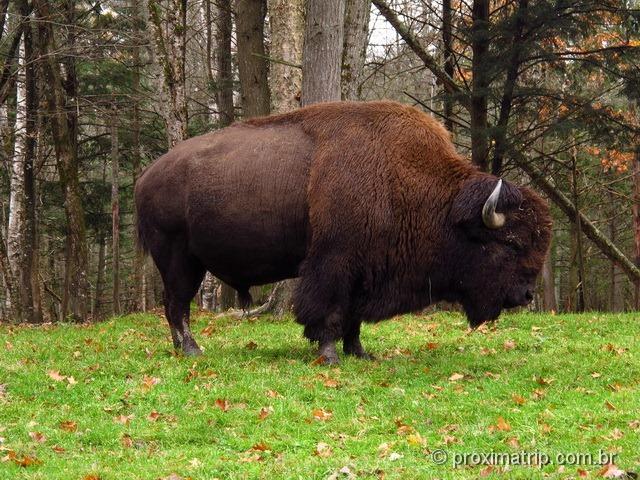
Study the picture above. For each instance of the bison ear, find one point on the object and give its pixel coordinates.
(470, 204)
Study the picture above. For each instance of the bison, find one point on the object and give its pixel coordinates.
(367, 202)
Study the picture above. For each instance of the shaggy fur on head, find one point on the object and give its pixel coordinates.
(368, 203)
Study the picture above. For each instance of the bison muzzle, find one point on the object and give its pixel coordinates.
(368, 203)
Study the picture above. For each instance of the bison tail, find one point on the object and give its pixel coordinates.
(142, 232)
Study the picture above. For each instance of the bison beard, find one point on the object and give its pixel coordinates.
(368, 203)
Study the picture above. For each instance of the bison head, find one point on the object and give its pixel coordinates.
(502, 236)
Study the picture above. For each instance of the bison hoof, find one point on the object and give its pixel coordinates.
(328, 354)
(192, 350)
(360, 354)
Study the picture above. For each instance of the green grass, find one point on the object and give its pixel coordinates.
(533, 383)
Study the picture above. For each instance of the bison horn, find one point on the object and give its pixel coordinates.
(489, 216)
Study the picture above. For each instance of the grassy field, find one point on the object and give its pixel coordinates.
(112, 401)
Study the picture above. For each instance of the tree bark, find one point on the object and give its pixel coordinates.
(447, 48)
(286, 18)
(480, 83)
(580, 286)
(224, 94)
(636, 222)
(115, 213)
(354, 51)
(63, 121)
(253, 67)
(97, 299)
(136, 161)
(322, 56)
(170, 50)
(549, 286)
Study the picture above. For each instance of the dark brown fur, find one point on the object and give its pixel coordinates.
(368, 203)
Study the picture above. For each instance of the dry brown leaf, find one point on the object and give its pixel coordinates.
(272, 394)
(154, 416)
(321, 414)
(596, 375)
(331, 383)
(432, 346)
(260, 447)
(223, 404)
(455, 377)
(509, 344)
(513, 442)
(69, 426)
(609, 405)
(634, 424)
(126, 441)
(37, 437)
(323, 450)
(251, 345)
(149, 382)
(610, 470)
(58, 449)
(55, 375)
(124, 419)
(502, 425)
(265, 412)
(518, 399)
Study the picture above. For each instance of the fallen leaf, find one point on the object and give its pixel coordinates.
(634, 424)
(596, 375)
(223, 404)
(149, 382)
(416, 439)
(486, 471)
(546, 428)
(543, 381)
(449, 439)
(260, 447)
(272, 394)
(251, 345)
(58, 449)
(69, 426)
(609, 405)
(509, 344)
(153, 416)
(432, 346)
(518, 399)
(321, 414)
(124, 419)
(538, 394)
(502, 425)
(455, 377)
(582, 473)
(616, 434)
(331, 383)
(37, 437)
(611, 471)
(265, 412)
(126, 441)
(323, 450)
(55, 375)
(513, 442)
(383, 449)
(395, 456)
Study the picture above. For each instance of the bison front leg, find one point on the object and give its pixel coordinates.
(352, 345)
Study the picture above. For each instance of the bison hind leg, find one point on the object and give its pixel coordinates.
(181, 274)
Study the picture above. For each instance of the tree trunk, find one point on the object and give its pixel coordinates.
(286, 18)
(115, 213)
(549, 286)
(636, 221)
(15, 229)
(97, 300)
(579, 252)
(136, 164)
(169, 31)
(447, 48)
(287, 34)
(63, 121)
(615, 285)
(322, 56)
(224, 94)
(354, 51)
(480, 85)
(253, 67)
